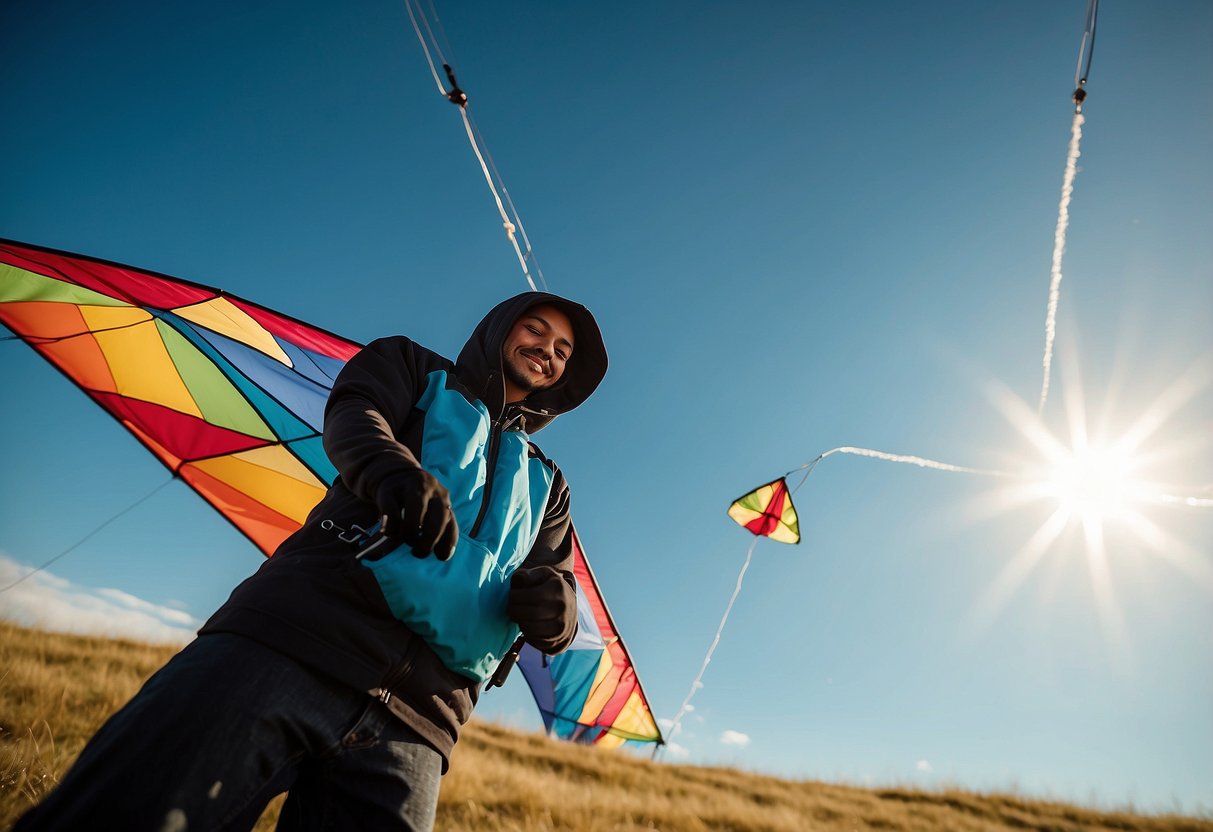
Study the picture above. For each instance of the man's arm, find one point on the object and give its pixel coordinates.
(366, 412)
(543, 597)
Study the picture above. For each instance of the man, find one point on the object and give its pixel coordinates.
(343, 669)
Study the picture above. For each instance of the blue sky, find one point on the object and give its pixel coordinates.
(802, 226)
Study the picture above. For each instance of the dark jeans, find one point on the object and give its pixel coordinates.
(228, 724)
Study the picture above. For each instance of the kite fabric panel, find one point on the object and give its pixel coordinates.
(590, 693)
(227, 394)
(767, 511)
(230, 396)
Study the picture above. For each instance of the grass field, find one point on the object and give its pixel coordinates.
(55, 690)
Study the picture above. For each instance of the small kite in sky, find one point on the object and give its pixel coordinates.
(767, 511)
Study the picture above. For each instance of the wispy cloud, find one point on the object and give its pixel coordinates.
(677, 751)
(170, 615)
(49, 602)
(924, 766)
(735, 738)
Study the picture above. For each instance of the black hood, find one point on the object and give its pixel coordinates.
(479, 363)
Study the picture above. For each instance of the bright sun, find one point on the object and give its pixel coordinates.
(1094, 483)
(1107, 483)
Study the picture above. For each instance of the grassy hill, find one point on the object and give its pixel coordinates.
(55, 690)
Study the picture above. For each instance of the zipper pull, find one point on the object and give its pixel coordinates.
(506, 665)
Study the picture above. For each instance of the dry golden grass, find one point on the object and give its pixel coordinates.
(56, 690)
(501, 780)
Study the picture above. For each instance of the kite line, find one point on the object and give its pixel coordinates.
(1086, 50)
(905, 459)
(84, 539)
(510, 219)
(922, 462)
(696, 685)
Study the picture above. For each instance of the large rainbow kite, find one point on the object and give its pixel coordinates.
(230, 396)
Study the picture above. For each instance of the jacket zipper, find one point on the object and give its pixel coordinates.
(498, 428)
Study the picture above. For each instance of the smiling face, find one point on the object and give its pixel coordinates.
(536, 351)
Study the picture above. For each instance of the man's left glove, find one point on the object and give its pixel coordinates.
(543, 604)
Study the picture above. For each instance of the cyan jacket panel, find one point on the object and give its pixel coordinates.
(458, 606)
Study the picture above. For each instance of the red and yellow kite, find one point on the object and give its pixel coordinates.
(767, 511)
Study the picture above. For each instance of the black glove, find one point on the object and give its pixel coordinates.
(416, 509)
(544, 605)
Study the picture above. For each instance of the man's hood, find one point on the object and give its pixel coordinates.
(479, 363)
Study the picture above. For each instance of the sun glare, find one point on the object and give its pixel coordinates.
(1094, 484)
(1115, 486)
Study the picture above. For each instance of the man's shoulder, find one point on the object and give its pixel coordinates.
(408, 349)
(535, 452)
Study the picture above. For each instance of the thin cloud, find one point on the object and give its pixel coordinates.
(735, 738)
(924, 766)
(676, 750)
(49, 602)
(171, 615)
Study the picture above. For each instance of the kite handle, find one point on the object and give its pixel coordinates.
(365, 540)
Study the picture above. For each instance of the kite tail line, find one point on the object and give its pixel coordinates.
(1059, 248)
(510, 220)
(905, 459)
(698, 683)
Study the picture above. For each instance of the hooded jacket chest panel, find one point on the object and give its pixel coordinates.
(455, 447)
(458, 606)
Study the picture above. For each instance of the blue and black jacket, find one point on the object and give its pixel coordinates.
(419, 633)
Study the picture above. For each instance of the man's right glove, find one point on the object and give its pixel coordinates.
(416, 509)
(544, 606)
